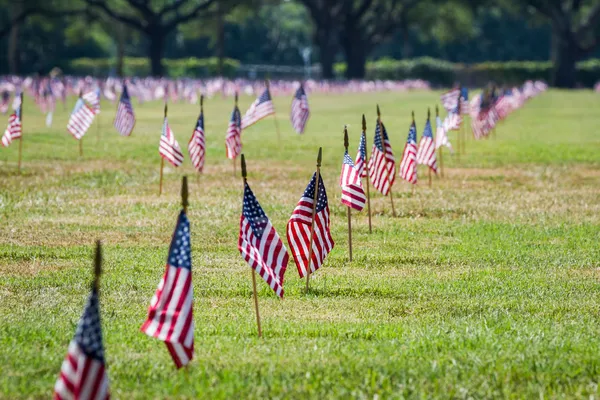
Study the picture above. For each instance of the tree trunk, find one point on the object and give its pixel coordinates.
(14, 55)
(220, 40)
(325, 41)
(565, 55)
(156, 51)
(355, 52)
(120, 49)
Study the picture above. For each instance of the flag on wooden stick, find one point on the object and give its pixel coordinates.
(426, 152)
(196, 145)
(14, 129)
(353, 194)
(125, 118)
(361, 157)
(300, 111)
(261, 108)
(170, 316)
(408, 165)
(80, 120)
(382, 164)
(233, 139)
(299, 228)
(169, 148)
(93, 99)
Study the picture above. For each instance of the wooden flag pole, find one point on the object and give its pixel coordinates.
(162, 164)
(274, 113)
(21, 138)
(428, 167)
(384, 153)
(412, 184)
(437, 114)
(364, 137)
(201, 113)
(184, 193)
(236, 104)
(312, 223)
(253, 270)
(81, 138)
(97, 265)
(349, 209)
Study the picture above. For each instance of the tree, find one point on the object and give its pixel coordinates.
(155, 23)
(575, 34)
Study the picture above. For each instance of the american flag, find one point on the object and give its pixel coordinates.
(408, 165)
(503, 106)
(382, 164)
(353, 194)
(196, 145)
(426, 151)
(125, 118)
(300, 111)
(441, 137)
(80, 120)
(261, 108)
(169, 148)
(13, 130)
(83, 373)
(464, 101)
(233, 139)
(453, 121)
(93, 99)
(4, 101)
(450, 99)
(298, 228)
(361, 157)
(260, 245)
(170, 315)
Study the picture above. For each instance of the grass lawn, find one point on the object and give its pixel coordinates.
(486, 285)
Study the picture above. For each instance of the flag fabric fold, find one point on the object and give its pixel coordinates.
(361, 157)
(83, 372)
(426, 151)
(197, 146)
(299, 226)
(260, 245)
(93, 99)
(382, 164)
(261, 108)
(353, 194)
(169, 148)
(300, 111)
(233, 138)
(408, 165)
(170, 315)
(14, 129)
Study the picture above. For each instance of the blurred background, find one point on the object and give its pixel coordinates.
(471, 41)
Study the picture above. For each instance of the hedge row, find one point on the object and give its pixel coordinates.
(437, 72)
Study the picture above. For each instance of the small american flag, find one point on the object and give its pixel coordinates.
(452, 121)
(233, 139)
(464, 101)
(408, 165)
(361, 157)
(353, 194)
(196, 145)
(441, 137)
(300, 111)
(169, 148)
(125, 118)
(83, 373)
(502, 106)
(382, 164)
(426, 152)
(450, 99)
(261, 108)
(170, 315)
(80, 120)
(13, 130)
(298, 228)
(4, 101)
(93, 99)
(260, 244)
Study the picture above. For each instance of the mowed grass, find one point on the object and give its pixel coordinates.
(486, 285)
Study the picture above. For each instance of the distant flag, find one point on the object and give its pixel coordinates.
(125, 118)
(300, 111)
(83, 372)
(196, 145)
(441, 137)
(260, 245)
(17, 100)
(450, 99)
(49, 119)
(426, 152)
(261, 108)
(233, 139)
(80, 120)
(382, 164)
(408, 165)
(13, 130)
(4, 101)
(169, 148)
(353, 194)
(170, 316)
(93, 99)
(298, 228)
(464, 101)
(361, 157)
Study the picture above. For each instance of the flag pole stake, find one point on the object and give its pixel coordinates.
(80, 147)
(244, 175)
(21, 138)
(97, 265)
(364, 128)
(312, 223)
(384, 153)
(428, 167)
(437, 114)
(184, 193)
(162, 164)
(349, 210)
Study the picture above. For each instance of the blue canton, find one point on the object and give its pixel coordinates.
(322, 195)
(266, 96)
(300, 92)
(362, 147)
(236, 117)
(412, 134)
(348, 160)
(89, 333)
(254, 213)
(427, 132)
(180, 253)
(200, 123)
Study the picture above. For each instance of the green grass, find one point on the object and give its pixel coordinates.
(486, 285)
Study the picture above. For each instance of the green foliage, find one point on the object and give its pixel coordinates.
(138, 66)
